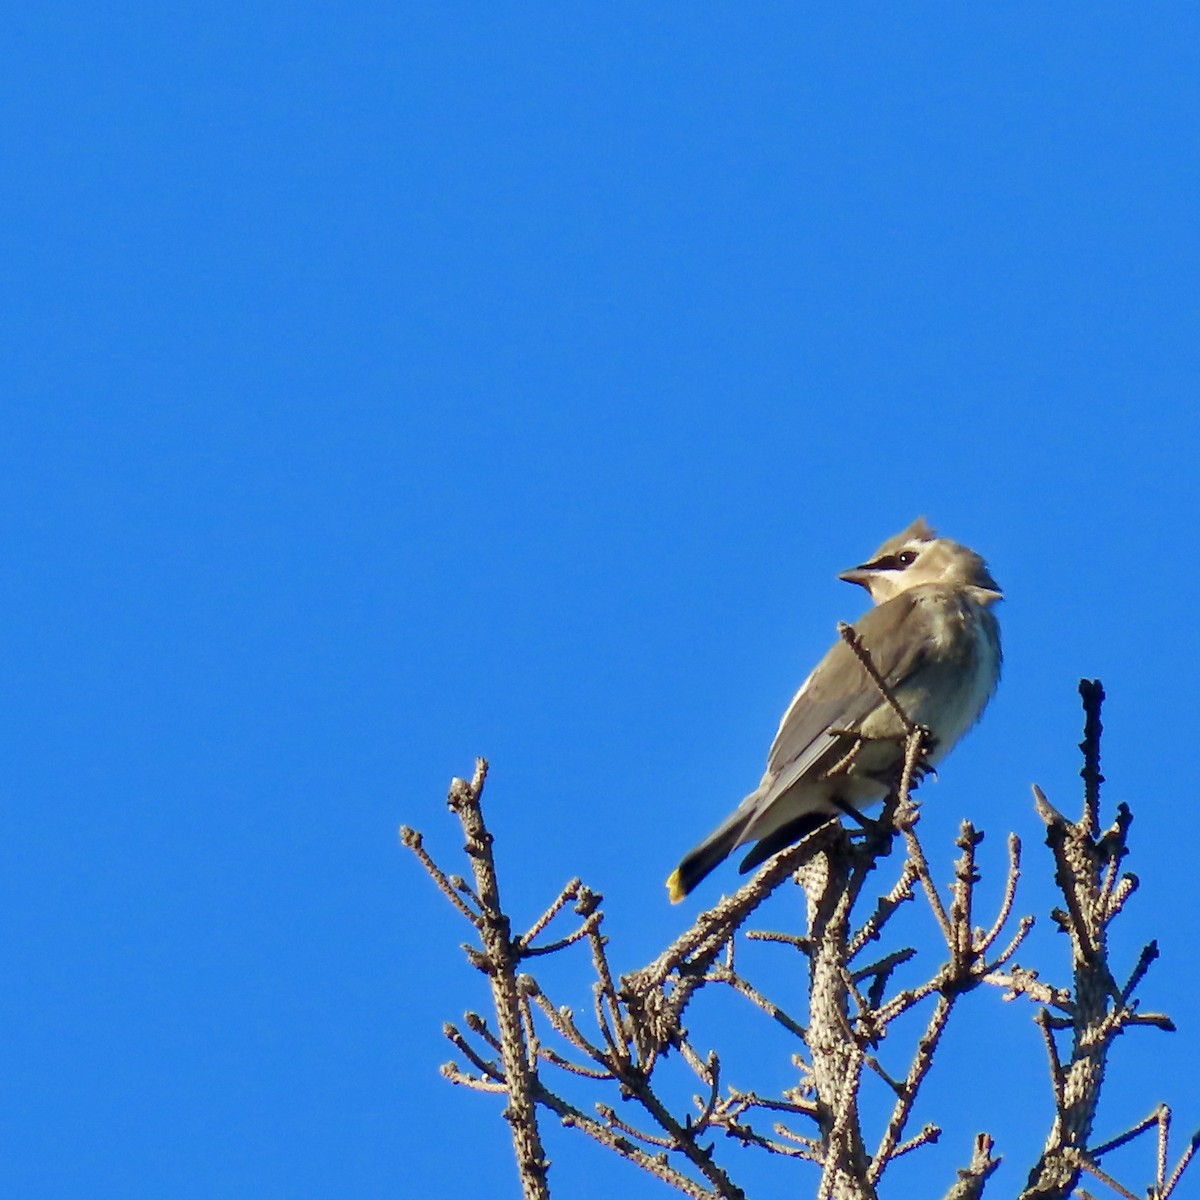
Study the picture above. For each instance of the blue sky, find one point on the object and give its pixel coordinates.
(386, 385)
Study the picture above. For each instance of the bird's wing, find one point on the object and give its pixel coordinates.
(840, 695)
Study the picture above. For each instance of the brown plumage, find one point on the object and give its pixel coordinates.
(936, 643)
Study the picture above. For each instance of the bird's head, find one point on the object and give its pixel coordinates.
(917, 556)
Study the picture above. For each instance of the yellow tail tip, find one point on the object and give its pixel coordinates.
(675, 887)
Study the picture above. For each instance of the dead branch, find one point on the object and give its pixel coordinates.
(1086, 863)
(638, 1016)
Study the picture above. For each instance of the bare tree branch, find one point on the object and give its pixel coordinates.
(496, 935)
(538, 1046)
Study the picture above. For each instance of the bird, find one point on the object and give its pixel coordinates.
(933, 638)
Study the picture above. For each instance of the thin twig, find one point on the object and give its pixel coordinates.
(921, 1063)
(719, 973)
(863, 655)
(1182, 1165)
(414, 841)
(569, 892)
(1010, 892)
(1085, 1164)
(655, 1164)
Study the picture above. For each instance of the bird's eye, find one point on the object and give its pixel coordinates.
(906, 558)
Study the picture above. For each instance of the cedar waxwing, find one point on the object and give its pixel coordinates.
(933, 639)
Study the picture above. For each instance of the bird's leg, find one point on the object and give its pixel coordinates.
(848, 809)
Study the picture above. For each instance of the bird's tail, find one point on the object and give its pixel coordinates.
(787, 835)
(714, 849)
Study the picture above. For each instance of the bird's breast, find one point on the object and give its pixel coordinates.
(962, 668)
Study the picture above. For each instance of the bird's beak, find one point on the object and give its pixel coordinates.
(860, 575)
